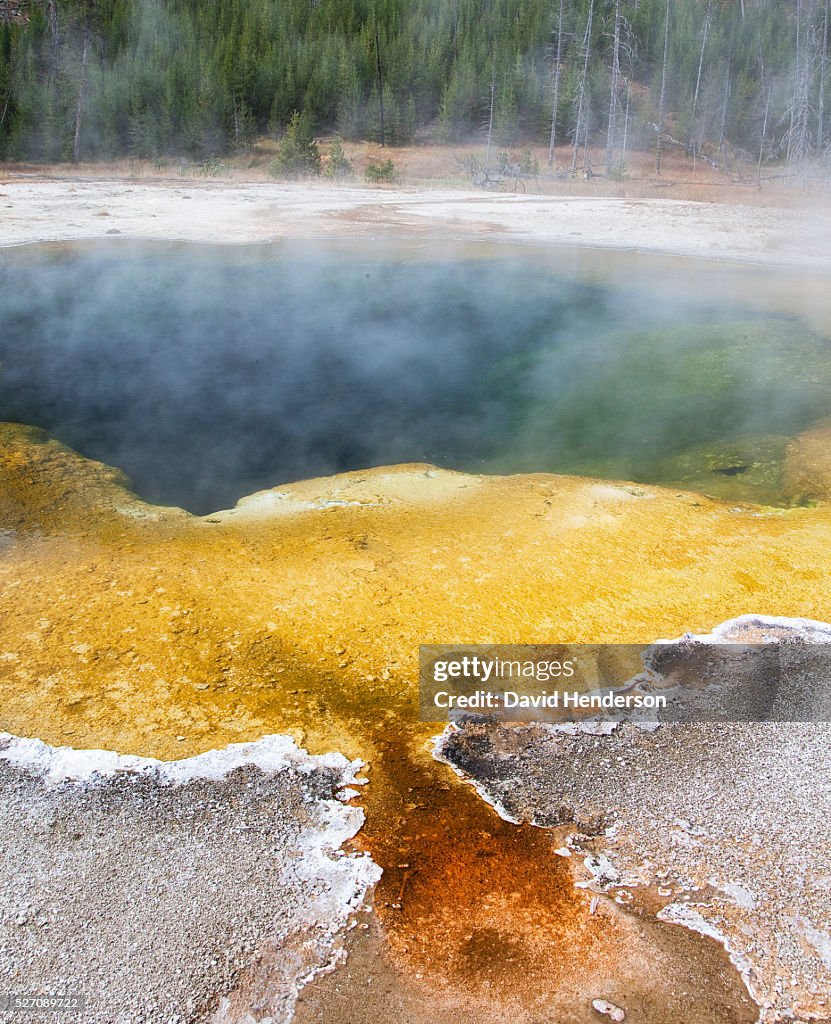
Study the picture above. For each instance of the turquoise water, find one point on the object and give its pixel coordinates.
(208, 372)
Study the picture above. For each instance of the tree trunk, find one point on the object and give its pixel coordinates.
(557, 74)
(79, 109)
(580, 126)
(379, 71)
(490, 121)
(727, 87)
(799, 130)
(762, 141)
(823, 66)
(52, 12)
(706, 32)
(611, 133)
(456, 29)
(625, 124)
(659, 144)
(795, 94)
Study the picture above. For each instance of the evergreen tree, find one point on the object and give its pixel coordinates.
(298, 154)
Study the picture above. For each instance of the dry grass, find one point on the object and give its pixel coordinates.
(435, 166)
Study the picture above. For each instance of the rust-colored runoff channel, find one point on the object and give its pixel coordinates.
(478, 920)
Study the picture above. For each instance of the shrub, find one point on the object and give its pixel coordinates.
(297, 154)
(382, 174)
(528, 164)
(338, 166)
(618, 171)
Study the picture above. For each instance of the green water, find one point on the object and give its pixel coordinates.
(707, 406)
(209, 372)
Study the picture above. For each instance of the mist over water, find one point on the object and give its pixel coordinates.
(206, 373)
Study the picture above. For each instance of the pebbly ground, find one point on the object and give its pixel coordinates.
(727, 824)
(154, 898)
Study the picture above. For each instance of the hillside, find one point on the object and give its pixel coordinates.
(98, 79)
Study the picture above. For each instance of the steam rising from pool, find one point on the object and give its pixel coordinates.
(206, 373)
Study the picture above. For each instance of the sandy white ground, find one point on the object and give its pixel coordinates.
(34, 210)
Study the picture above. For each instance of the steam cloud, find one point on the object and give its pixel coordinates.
(208, 373)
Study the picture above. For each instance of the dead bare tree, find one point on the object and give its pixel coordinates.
(659, 128)
(82, 89)
(52, 18)
(611, 132)
(379, 71)
(558, 71)
(6, 102)
(490, 119)
(84, 24)
(581, 127)
(798, 137)
(823, 69)
(694, 141)
(795, 90)
(763, 140)
(508, 172)
(725, 98)
(625, 123)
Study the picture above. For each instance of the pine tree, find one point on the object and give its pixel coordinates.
(297, 154)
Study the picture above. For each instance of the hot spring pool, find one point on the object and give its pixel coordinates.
(206, 373)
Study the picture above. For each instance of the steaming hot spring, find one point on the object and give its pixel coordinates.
(240, 486)
(207, 373)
